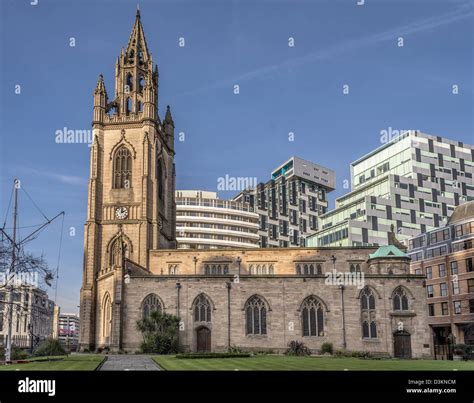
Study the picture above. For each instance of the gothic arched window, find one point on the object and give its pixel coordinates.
(400, 299)
(115, 256)
(312, 317)
(319, 269)
(368, 314)
(255, 316)
(160, 178)
(298, 269)
(207, 270)
(129, 83)
(122, 168)
(202, 309)
(150, 304)
(106, 315)
(128, 106)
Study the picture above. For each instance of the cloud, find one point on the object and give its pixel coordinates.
(460, 13)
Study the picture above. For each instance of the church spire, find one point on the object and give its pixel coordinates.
(137, 49)
(100, 87)
(100, 101)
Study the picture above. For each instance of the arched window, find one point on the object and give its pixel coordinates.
(352, 268)
(128, 106)
(312, 317)
(400, 299)
(207, 270)
(306, 269)
(115, 256)
(202, 309)
(173, 269)
(160, 178)
(226, 269)
(255, 316)
(311, 270)
(298, 269)
(319, 269)
(141, 83)
(150, 304)
(368, 314)
(140, 106)
(357, 268)
(106, 315)
(251, 270)
(270, 269)
(259, 269)
(129, 83)
(214, 269)
(122, 168)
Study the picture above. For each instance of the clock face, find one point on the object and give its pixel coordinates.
(121, 213)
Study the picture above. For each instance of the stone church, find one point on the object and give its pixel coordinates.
(357, 298)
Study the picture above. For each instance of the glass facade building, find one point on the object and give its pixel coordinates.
(413, 182)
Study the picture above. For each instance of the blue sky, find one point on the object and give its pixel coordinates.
(282, 89)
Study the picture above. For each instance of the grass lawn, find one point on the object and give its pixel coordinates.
(285, 363)
(77, 362)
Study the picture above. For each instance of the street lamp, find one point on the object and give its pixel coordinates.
(195, 259)
(239, 260)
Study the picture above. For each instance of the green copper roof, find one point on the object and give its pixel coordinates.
(387, 251)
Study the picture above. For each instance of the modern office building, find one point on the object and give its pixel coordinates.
(203, 221)
(413, 182)
(288, 205)
(33, 317)
(68, 330)
(446, 257)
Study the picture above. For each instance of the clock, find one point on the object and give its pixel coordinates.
(121, 213)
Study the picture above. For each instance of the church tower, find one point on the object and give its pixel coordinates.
(131, 205)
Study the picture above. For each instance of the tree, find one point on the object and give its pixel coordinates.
(160, 333)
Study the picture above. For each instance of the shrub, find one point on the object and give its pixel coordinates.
(49, 347)
(212, 355)
(361, 354)
(326, 348)
(235, 349)
(17, 354)
(463, 350)
(160, 333)
(297, 348)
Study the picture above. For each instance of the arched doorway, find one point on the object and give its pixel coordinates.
(203, 339)
(402, 344)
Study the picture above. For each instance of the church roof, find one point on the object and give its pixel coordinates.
(387, 251)
(462, 212)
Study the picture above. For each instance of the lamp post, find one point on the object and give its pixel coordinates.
(344, 344)
(195, 259)
(341, 288)
(178, 288)
(229, 287)
(239, 260)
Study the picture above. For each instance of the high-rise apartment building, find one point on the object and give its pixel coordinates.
(203, 221)
(289, 204)
(413, 182)
(68, 330)
(446, 257)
